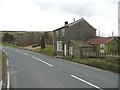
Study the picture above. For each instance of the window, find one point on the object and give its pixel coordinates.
(59, 45)
(71, 50)
(56, 33)
(114, 47)
(62, 32)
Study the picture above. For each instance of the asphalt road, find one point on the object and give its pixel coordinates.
(34, 70)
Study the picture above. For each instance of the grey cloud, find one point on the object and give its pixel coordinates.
(86, 8)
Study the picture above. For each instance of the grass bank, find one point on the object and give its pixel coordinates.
(48, 50)
(8, 44)
(110, 64)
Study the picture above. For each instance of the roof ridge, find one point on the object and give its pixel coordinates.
(72, 23)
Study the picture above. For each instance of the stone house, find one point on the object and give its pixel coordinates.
(77, 30)
(105, 44)
(77, 48)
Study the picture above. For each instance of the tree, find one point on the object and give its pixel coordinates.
(7, 37)
(48, 37)
(42, 43)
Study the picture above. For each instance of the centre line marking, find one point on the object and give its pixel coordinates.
(33, 57)
(86, 82)
(25, 53)
(42, 61)
(17, 50)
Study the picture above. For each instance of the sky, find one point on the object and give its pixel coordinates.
(48, 15)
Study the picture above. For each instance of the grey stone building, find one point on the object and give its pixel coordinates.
(77, 30)
(77, 48)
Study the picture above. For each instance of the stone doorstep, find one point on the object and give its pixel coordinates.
(1, 85)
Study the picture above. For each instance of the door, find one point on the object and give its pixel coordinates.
(65, 50)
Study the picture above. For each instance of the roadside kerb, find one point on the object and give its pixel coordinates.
(8, 74)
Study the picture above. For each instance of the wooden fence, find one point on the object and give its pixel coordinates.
(94, 54)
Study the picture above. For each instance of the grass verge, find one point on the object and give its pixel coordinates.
(48, 50)
(8, 44)
(98, 63)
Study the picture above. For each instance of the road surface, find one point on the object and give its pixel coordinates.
(33, 70)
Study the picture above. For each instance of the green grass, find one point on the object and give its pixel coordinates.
(48, 50)
(97, 62)
(8, 44)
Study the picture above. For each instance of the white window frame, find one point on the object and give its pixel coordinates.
(62, 32)
(59, 46)
(71, 50)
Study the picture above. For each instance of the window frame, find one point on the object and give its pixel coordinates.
(62, 32)
(59, 46)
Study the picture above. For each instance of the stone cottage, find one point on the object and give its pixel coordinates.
(79, 30)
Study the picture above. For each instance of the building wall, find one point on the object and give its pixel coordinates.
(79, 31)
(109, 47)
(79, 50)
(76, 50)
(112, 47)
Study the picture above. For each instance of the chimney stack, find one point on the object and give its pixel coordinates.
(73, 19)
(66, 22)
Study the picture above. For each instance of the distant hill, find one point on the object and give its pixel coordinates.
(25, 38)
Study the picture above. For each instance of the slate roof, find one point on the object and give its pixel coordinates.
(75, 22)
(80, 43)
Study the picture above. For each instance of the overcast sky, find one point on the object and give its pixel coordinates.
(47, 15)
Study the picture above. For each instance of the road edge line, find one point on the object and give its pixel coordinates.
(8, 75)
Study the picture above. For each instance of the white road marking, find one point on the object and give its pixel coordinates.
(86, 82)
(17, 50)
(7, 63)
(25, 53)
(8, 79)
(42, 61)
(1, 82)
(4, 51)
(8, 75)
(33, 57)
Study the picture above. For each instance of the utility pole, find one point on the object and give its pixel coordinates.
(4, 27)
